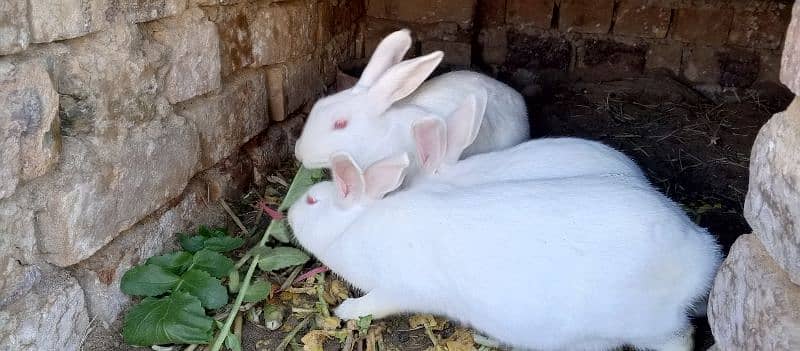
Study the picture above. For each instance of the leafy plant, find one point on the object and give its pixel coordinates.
(180, 287)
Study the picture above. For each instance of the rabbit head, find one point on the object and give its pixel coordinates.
(352, 120)
(327, 208)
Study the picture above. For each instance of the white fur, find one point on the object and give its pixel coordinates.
(389, 84)
(580, 263)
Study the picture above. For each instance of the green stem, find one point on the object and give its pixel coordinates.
(223, 333)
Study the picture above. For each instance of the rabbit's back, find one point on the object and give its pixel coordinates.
(505, 122)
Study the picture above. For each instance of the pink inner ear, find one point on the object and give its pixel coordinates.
(429, 142)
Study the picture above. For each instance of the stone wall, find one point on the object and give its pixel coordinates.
(755, 301)
(709, 43)
(123, 122)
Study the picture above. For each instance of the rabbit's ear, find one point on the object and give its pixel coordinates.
(348, 178)
(402, 79)
(389, 52)
(385, 175)
(463, 126)
(430, 135)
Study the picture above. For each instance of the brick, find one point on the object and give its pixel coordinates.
(790, 62)
(586, 16)
(52, 20)
(695, 25)
(759, 29)
(609, 60)
(280, 33)
(667, 55)
(494, 46)
(432, 11)
(535, 13)
(14, 31)
(771, 206)
(457, 54)
(236, 46)
(490, 13)
(535, 52)
(753, 305)
(700, 65)
(193, 44)
(636, 18)
(293, 84)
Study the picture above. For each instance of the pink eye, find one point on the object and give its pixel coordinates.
(310, 200)
(340, 124)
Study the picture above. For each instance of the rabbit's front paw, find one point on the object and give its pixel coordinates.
(352, 309)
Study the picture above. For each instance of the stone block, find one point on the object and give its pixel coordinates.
(138, 11)
(760, 29)
(490, 13)
(772, 207)
(228, 119)
(535, 13)
(338, 50)
(293, 84)
(236, 46)
(665, 56)
(637, 18)
(494, 46)
(100, 274)
(753, 304)
(14, 31)
(100, 191)
(274, 147)
(51, 317)
(586, 16)
(433, 11)
(29, 128)
(701, 65)
(790, 62)
(378, 8)
(194, 56)
(536, 53)
(693, 25)
(603, 60)
(17, 253)
(52, 20)
(457, 54)
(280, 33)
(346, 14)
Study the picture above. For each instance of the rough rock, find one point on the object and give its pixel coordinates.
(458, 54)
(637, 18)
(99, 192)
(51, 317)
(753, 304)
(760, 28)
(17, 250)
(137, 11)
(586, 16)
(268, 150)
(100, 275)
(790, 63)
(536, 13)
(693, 25)
(772, 207)
(230, 118)
(293, 84)
(29, 128)
(338, 50)
(236, 47)
(665, 56)
(700, 64)
(52, 20)
(14, 32)
(193, 45)
(280, 33)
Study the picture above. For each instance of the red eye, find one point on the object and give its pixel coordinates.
(340, 124)
(310, 200)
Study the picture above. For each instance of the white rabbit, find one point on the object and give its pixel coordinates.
(353, 120)
(581, 263)
(439, 144)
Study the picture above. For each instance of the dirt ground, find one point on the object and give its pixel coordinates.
(694, 148)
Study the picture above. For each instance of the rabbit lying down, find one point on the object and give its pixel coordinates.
(579, 263)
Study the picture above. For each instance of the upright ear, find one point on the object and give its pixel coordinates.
(430, 136)
(389, 52)
(348, 178)
(463, 126)
(403, 78)
(385, 175)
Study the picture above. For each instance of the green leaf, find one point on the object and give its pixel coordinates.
(280, 231)
(178, 318)
(260, 250)
(303, 180)
(232, 342)
(223, 243)
(212, 262)
(205, 287)
(363, 324)
(210, 233)
(233, 281)
(148, 280)
(257, 291)
(175, 262)
(282, 257)
(192, 243)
